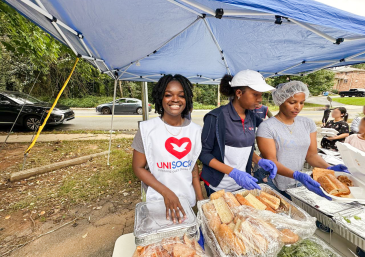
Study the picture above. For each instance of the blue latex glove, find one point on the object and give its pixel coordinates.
(268, 166)
(310, 183)
(201, 240)
(339, 167)
(244, 179)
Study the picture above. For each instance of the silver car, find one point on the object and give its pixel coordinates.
(123, 105)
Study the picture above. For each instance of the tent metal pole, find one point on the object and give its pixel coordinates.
(358, 60)
(291, 67)
(88, 51)
(64, 37)
(324, 61)
(185, 7)
(48, 15)
(200, 7)
(314, 30)
(218, 46)
(242, 13)
(112, 121)
(354, 38)
(144, 101)
(92, 58)
(251, 19)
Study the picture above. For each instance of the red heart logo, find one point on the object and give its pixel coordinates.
(178, 147)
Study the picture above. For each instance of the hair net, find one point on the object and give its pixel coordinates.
(286, 90)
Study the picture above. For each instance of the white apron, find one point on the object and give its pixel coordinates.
(171, 159)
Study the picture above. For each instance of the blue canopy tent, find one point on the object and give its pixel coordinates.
(141, 40)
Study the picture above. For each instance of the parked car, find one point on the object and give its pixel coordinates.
(33, 113)
(353, 92)
(133, 105)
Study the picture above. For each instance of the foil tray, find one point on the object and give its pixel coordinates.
(353, 220)
(290, 209)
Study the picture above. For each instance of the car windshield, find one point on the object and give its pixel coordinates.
(22, 98)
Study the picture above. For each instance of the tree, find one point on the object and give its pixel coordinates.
(318, 82)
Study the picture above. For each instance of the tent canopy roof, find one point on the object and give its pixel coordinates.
(202, 39)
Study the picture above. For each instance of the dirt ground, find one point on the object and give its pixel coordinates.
(95, 201)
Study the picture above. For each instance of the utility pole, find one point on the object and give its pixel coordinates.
(120, 88)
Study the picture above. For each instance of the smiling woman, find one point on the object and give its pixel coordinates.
(166, 148)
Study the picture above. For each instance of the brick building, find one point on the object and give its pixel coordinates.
(348, 77)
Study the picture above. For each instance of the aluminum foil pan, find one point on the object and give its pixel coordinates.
(353, 220)
(321, 204)
(292, 214)
(151, 225)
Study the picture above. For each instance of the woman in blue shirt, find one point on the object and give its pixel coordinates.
(228, 135)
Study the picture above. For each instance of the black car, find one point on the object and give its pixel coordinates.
(33, 113)
(133, 105)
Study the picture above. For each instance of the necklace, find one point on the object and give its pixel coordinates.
(164, 123)
(287, 126)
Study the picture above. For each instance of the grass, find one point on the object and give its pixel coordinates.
(80, 184)
(359, 101)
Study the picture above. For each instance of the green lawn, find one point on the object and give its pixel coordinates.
(351, 100)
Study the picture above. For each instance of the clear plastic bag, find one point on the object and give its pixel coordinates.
(174, 246)
(260, 227)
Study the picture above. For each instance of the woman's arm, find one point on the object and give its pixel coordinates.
(196, 183)
(268, 151)
(256, 158)
(172, 202)
(344, 135)
(313, 157)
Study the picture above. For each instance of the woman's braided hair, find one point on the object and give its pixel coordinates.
(158, 92)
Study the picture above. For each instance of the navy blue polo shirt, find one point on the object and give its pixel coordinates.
(239, 140)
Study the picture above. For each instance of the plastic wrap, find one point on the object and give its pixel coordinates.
(151, 225)
(353, 220)
(262, 229)
(174, 246)
(321, 204)
(312, 246)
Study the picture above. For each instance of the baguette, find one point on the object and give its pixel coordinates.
(181, 250)
(288, 237)
(271, 200)
(229, 240)
(231, 226)
(212, 216)
(268, 208)
(223, 210)
(231, 200)
(333, 186)
(256, 203)
(217, 194)
(318, 172)
(243, 200)
(251, 237)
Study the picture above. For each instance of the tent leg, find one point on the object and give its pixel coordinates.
(112, 121)
(144, 101)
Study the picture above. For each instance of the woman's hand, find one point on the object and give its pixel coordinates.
(244, 179)
(173, 207)
(310, 184)
(268, 166)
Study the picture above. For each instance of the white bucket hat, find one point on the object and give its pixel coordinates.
(251, 79)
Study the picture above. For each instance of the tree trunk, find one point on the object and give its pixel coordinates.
(120, 88)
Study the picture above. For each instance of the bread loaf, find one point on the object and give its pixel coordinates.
(227, 238)
(333, 186)
(271, 200)
(268, 208)
(231, 200)
(256, 203)
(318, 172)
(243, 200)
(345, 180)
(217, 194)
(223, 210)
(212, 216)
(288, 237)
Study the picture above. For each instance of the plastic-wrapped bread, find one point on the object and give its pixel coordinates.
(231, 200)
(288, 237)
(255, 203)
(224, 213)
(271, 200)
(243, 200)
(182, 250)
(268, 208)
(229, 241)
(231, 225)
(217, 194)
(212, 216)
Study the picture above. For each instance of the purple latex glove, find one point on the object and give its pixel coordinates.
(244, 179)
(339, 167)
(268, 166)
(310, 184)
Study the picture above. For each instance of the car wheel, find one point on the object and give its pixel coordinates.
(105, 110)
(139, 111)
(32, 123)
(342, 95)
